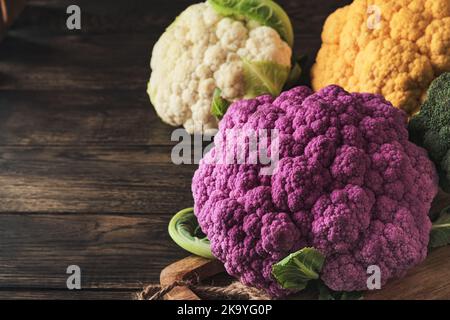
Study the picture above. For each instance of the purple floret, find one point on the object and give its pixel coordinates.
(348, 183)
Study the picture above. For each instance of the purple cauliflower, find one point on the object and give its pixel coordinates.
(348, 183)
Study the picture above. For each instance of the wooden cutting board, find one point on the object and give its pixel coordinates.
(429, 280)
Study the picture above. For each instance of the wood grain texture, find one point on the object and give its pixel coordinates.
(85, 170)
(121, 252)
(192, 268)
(68, 62)
(429, 280)
(80, 118)
(31, 294)
(92, 180)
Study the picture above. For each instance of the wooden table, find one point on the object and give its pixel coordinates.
(85, 170)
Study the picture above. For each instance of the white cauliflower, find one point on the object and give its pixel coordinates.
(203, 50)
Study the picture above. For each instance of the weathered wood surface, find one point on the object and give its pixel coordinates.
(192, 268)
(85, 170)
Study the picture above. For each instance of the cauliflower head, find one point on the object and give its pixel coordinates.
(204, 50)
(394, 48)
(349, 183)
(430, 127)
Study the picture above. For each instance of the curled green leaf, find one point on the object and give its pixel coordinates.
(296, 270)
(440, 231)
(294, 76)
(185, 231)
(265, 12)
(262, 77)
(219, 105)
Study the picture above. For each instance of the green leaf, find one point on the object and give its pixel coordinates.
(185, 231)
(440, 231)
(262, 77)
(294, 271)
(294, 76)
(327, 294)
(219, 105)
(265, 12)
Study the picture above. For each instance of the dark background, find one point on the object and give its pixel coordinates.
(85, 170)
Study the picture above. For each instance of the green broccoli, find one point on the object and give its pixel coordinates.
(430, 128)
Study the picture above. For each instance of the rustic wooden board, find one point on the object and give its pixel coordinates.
(85, 169)
(427, 281)
(190, 268)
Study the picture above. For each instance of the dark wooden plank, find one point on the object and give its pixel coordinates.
(102, 16)
(92, 180)
(80, 118)
(123, 252)
(29, 294)
(68, 62)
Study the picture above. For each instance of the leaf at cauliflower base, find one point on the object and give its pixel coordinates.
(219, 105)
(294, 76)
(262, 77)
(294, 271)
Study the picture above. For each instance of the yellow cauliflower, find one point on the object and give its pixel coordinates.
(391, 47)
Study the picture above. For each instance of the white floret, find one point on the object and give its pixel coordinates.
(202, 51)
